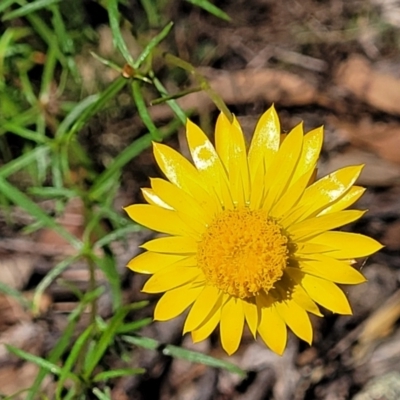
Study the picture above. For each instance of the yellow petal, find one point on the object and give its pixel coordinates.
(257, 187)
(297, 294)
(172, 244)
(327, 190)
(314, 226)
(222, 140)
(290, 197)
(153, 199)
(296, 318)
(170, 278)
(209, 300)
(331, 269)
(283, 166)
(272, 330)
(150, 263)
(345, 201)
(300, 296)
(312, 144)
(208, 163)
(174, 166)
(231, 326)
(205, 330)
(305, 248)
(265, 142)
(238, 167)
(159, 219)
(176, 301)
(347, 245)
(252, 315)
(180, 201)
(322, 291)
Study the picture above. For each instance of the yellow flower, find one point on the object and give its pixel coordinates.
(250, 233)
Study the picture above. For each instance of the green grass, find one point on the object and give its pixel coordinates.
(45, 112)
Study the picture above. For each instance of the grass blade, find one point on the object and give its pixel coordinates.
(29, 8)
(119, 43)
(188, 355)
(211, 8)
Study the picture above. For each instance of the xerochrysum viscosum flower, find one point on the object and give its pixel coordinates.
(250, 233)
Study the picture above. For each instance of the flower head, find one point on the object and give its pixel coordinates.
(250, 233)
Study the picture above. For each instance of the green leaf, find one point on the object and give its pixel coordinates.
(152, 44)
(172, 103)
(34, 210)
(211, 8)
(41, 362)
(71, 359)
(150, 8)
(105, 340)
(119, 43)
(117, 234)
(108, 265)
(65, 339)
(117, 373)
(188, 355)
(5, 4)
(75, 113)
(143, 112)
(49, 278)
(97, 105)
(29, 8)
(24, 161)
(134, 326)
(101, 395)
(9, 291)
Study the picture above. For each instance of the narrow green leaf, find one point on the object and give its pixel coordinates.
(65, 339)
(33, 209)
(48, 72)
(172, 103)
(211, 8)
(24, 133)
(49, 278)
(152, 44)
(24, 161)
(105, 340)
(28, 9)
(108, 265)
(5, 4)
(66, 42)
(150, 8)
(41, 362)
(117, 234)
(117, 373)
(106, 62)
(9, 291)
(214, 96)
(119, 43)
(101, 395)
(97, 105)
(50, 192)
(66, 370)
(143, 112)
(131, 327)
(75, 113)
(188, 355)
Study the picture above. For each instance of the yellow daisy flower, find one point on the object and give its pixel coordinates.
(250, 233)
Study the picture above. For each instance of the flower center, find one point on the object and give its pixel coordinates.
(243, 252)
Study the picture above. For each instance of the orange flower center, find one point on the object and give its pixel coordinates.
(243, 252)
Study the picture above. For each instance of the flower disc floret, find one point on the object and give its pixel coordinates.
(243, 252)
